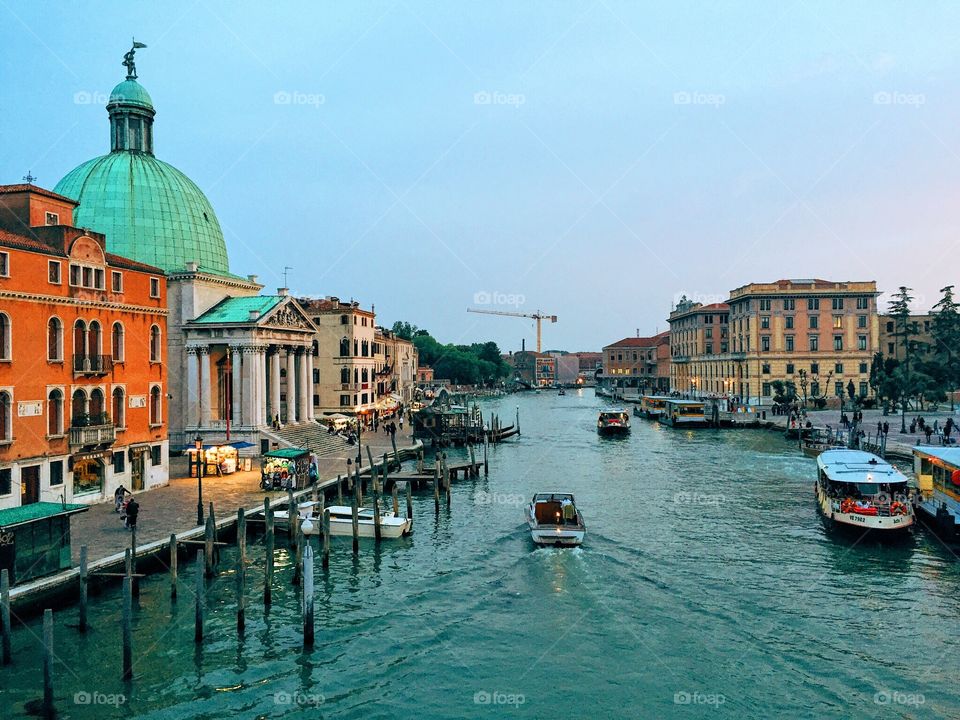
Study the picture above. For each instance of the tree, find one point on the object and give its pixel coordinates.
(784, 392)
(404, 330)
(945, 330)
(905, 330)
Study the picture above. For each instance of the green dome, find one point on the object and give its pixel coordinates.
(130, 92)
(149, 211)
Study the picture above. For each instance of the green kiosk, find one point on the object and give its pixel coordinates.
(35, 539)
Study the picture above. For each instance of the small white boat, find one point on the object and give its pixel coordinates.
(612, 422)
(341, 521)
(856, 489)
(554, 519)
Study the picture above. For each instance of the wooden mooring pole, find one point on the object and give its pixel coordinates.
(241, 571)
(297, 557)
(486, 465)
(339, 491)
(410, 502)
(326, 538)
(208, 546)
(5, 615)
(83, 589)
(308, 597)
(127, 630)
(173, 566)
(268, 550)
(436, 482)
(376, 511)
(396, 501)
(446, 478)
(216, 545)
(293, 515)
(200, 591)
(354, 509)
(48, 709)
(133, 562)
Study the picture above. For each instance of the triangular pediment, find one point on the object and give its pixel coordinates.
(287, 314)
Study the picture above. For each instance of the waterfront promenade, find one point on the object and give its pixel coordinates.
(173, 509)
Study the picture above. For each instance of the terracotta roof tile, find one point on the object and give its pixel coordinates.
(24, 187)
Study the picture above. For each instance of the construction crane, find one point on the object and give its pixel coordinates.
(538, 316)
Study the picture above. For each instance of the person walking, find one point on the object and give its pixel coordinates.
(118, 498)
(133, 512)
(401, 423)
(886, 429)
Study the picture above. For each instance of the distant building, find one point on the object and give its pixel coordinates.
(632, 363)
(568, 367)
(813, 331)
(400, 366)
(534, 369)
(424, 375)
(892, 346)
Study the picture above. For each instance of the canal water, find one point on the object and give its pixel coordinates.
(707, 587)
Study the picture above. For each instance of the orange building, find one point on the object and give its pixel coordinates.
(82, 359)
(638, 365)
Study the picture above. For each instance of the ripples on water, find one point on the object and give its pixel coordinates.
(706, 576)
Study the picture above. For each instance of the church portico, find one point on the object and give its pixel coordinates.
(234, 381)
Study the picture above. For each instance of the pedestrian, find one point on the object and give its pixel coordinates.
(133, 512)
(879, 428)
(886, 429)
(401, 423)
(118, 498)
(928, 431)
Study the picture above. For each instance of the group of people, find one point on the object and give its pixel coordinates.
(857, 419)
(127, 506)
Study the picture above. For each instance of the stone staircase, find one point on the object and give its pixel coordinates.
(312, 436)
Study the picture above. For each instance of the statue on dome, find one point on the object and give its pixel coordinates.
(128, 62)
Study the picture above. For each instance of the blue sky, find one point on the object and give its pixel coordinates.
(589, 159)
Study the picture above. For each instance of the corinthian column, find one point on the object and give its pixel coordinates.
(303, 410)
(291, 386)
(193, 388)
(204, 358)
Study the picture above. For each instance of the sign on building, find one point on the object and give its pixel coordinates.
(30, 408)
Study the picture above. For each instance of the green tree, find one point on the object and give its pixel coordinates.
(945, 331)
(905, 330)
(404, 330)
(784, 392)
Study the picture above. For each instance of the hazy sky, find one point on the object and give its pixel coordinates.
(589, 159)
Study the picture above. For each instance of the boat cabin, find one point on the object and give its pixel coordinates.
(548, 507)
(653, 405)
(683, 412)
(862, 477)
(938, 471)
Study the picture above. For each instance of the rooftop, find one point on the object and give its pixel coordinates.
(26, 187)
(237, 309)
(24, 514)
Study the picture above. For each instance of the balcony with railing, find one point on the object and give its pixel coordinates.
(92, 364)
(92, 430)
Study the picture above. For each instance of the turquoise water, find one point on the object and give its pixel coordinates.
(707, 587)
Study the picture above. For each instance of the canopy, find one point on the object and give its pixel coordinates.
(237, 445)
(23, 514)
(289, 453)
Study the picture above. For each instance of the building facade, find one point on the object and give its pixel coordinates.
(401, 364)
(348, 359)
(533, 368)
(632, 363)
(83, 380)
(816, 333)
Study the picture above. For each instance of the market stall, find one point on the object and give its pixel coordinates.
(286, 466)
(217, 460)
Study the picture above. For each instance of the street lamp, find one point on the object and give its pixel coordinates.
(198, 443)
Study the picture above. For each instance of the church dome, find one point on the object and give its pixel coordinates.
(149, 211)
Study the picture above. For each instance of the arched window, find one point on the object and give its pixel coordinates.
(93, 339)
(6, 417)
(116, 342)
(55, 412)
(4, 337)
(96, 406)
(344, 347)
(54, 340)
(155, 414)
(344, 375)
(155, 352)
(78, 411)
(119, 418)
(79, 340)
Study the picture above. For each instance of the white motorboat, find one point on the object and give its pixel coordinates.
(341, 521)
(612, 422)
(555, 519)
(856, 489)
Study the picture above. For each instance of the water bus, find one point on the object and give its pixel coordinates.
(938, 472)
(611, 422)
(651, 406)
(856, 489)
(683, 413)
(554, 519)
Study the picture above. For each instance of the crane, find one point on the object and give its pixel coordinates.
(538, 316)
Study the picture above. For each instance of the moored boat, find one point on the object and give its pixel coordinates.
(554, 519)
(341, 521)
(938, 473)
(683, 413)
(613, 422)
(651, 406)
(821, 440)
(856, 489)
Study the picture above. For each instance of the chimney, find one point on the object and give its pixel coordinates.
(253, 278)
(254, 314)
(523, 345)
(283, 292)
(192, 266)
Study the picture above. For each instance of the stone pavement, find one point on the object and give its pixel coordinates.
(173, 508)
